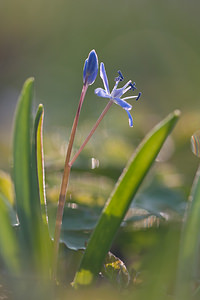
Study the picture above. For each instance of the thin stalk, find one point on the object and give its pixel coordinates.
(64, 184)
(91, 133)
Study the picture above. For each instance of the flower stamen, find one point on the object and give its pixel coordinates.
(120, 77)
(132, 85)
(139, 94)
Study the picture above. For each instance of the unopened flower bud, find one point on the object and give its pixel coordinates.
(90, 69)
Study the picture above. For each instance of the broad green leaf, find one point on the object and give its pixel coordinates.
(77, 225)
(75, 239)
(79, 222)
(120, 200)
(189, 247)
(9, 250)
(158, 198)
(22, 159)
(148, 205)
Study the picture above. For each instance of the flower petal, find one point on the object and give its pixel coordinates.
(130, 119)
(122, 103)
(117, 92)
(85, 70)
(104, 77)
(101, 93)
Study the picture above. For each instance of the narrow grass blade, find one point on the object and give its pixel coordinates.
(38, 149)
(36, 190)
(22, 159)
(120, 200)
(28, 181)
(8, 243)
(189, 245)
(39, 209)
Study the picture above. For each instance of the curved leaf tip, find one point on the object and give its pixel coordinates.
(28, 83)
(40, 109)
(177, 113)
(29, 80)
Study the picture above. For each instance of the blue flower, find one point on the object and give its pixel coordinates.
(117, 93)
(90, 69)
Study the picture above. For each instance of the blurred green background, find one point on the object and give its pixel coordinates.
(154, 43)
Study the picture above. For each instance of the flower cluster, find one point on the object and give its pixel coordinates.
(90, 71)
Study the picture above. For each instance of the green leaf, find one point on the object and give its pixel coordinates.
(22, 160)
(189, 247)
(38, 163)
(29, 181)
(40, 234)
(77, 224)
(80, 220)
(35, 175)
(120, 200)
(158, 198)
(7, 192)
(6, 187)
(115, 270)
(8, 243)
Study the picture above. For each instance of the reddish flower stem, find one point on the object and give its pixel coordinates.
(66, 173)
(64, 184)
(91, 132)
